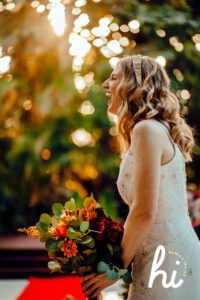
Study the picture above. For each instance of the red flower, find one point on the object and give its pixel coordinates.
(93, 215)
(99, 226)
(114, 232)
(84, 214)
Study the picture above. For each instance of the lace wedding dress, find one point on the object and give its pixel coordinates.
(171, 228)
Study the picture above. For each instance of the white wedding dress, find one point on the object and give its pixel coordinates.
(171, 228)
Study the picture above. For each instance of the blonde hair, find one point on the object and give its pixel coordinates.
(151, 99)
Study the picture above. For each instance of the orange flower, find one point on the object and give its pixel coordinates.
(61, 229)
(92, 205)
(69, 248)
(31, 231)
(52, 231)
(69, 218)
(93, 214)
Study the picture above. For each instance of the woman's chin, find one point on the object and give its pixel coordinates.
(111, 110)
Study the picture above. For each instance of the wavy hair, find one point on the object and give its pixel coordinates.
(152, 99)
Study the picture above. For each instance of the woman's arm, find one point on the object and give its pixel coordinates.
(147, 151)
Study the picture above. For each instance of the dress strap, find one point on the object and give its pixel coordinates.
(171, 139)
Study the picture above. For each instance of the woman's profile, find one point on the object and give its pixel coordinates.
(155, 142)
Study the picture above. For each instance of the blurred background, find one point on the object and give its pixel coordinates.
(56, 139)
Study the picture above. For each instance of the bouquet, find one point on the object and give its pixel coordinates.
(82, 241)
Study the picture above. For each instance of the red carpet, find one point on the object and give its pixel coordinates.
(57, 288)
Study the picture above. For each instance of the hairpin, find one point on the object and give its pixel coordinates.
(137, 59)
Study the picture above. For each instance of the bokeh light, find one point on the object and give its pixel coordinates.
(81, 138)
(134, 26)
(178, 74)
(80, 46)
(4, 64)
(114, 26)
(161, 60)
(40, 8)
(46, 154)
(185, 94)
(27, 104)
(56, 17)
(161, 33)
(113, 61)
(86, 108)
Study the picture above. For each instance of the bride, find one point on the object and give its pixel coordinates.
(156, 142)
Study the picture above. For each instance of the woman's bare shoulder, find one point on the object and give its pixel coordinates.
(147, 129)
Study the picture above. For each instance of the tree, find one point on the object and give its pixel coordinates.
(55, 138)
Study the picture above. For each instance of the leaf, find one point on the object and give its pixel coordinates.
(110, 248)
(57, 209)
(45, 219)
(111, 274)
(89, 251)
(51, 244)
(80, 258)
(70, 205)
(52, 253)
(89, 241)
(41, 227)
(54, 221)
(102, 267)
(127, 277)
(84, 226)
(54, 266)
(73, 234)
(64, 260)
(59, 245)
(122, 272)
(45, 236)
(87, 202)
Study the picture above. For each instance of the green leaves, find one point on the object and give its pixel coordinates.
(41, 228)
(89, 241)
(45, 236)
(102, 267)
(70, 205)
(111, 274)
(54, 266)
(84, 226)
(57, 209)
(110, 248)
(87, 202)
(45, 219)
(43, 224)
(127, 277)
(73, 234)
(51, 244)
(54, 221)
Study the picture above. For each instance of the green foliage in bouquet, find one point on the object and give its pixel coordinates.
(81, 241)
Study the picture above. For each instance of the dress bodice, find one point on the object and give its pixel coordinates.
(172, 200)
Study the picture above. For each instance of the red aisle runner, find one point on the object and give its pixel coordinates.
(57, 288)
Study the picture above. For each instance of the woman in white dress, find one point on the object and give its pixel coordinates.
(156, 142)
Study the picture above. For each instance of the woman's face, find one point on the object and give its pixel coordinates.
(110, 86)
